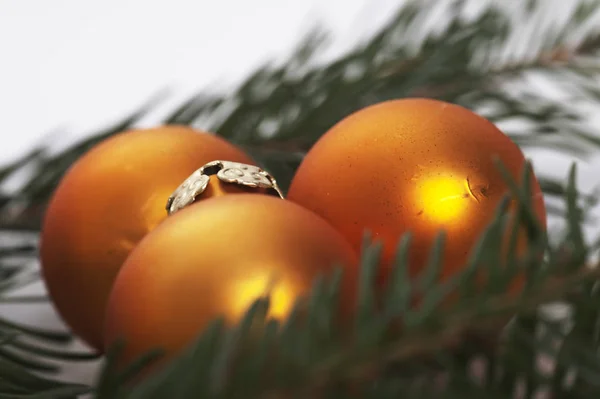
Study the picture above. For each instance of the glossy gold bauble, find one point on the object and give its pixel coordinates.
(108, 200)
(215, 258)
(415, 165)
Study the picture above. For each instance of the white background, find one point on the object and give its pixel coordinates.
(82, 64)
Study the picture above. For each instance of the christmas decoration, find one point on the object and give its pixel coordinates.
(111, 198)
(230, 177)
(215, 258)
(411, 165)
(278, 111)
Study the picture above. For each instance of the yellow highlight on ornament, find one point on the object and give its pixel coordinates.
(444, 199)
(246, 291)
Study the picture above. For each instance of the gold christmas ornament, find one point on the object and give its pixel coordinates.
(108, 200)
(412, 165)
(214, 258)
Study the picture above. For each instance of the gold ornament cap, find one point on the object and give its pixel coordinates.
(228, 172)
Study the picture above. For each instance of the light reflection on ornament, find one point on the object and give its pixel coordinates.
(444, 198)
(247, 290)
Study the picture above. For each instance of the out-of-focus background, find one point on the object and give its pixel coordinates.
(71, 67)
(81, 64)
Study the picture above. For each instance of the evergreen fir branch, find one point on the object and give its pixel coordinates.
(18, 280)
(38, 350)
(17, 383)
(24, 299)
(19, 348)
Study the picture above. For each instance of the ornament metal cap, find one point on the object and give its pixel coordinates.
(228, 172)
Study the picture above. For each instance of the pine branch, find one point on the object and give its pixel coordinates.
(454, 330)
(23, 348)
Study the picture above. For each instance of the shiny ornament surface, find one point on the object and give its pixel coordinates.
(215, 258)
(108, 200)
(416, 165)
